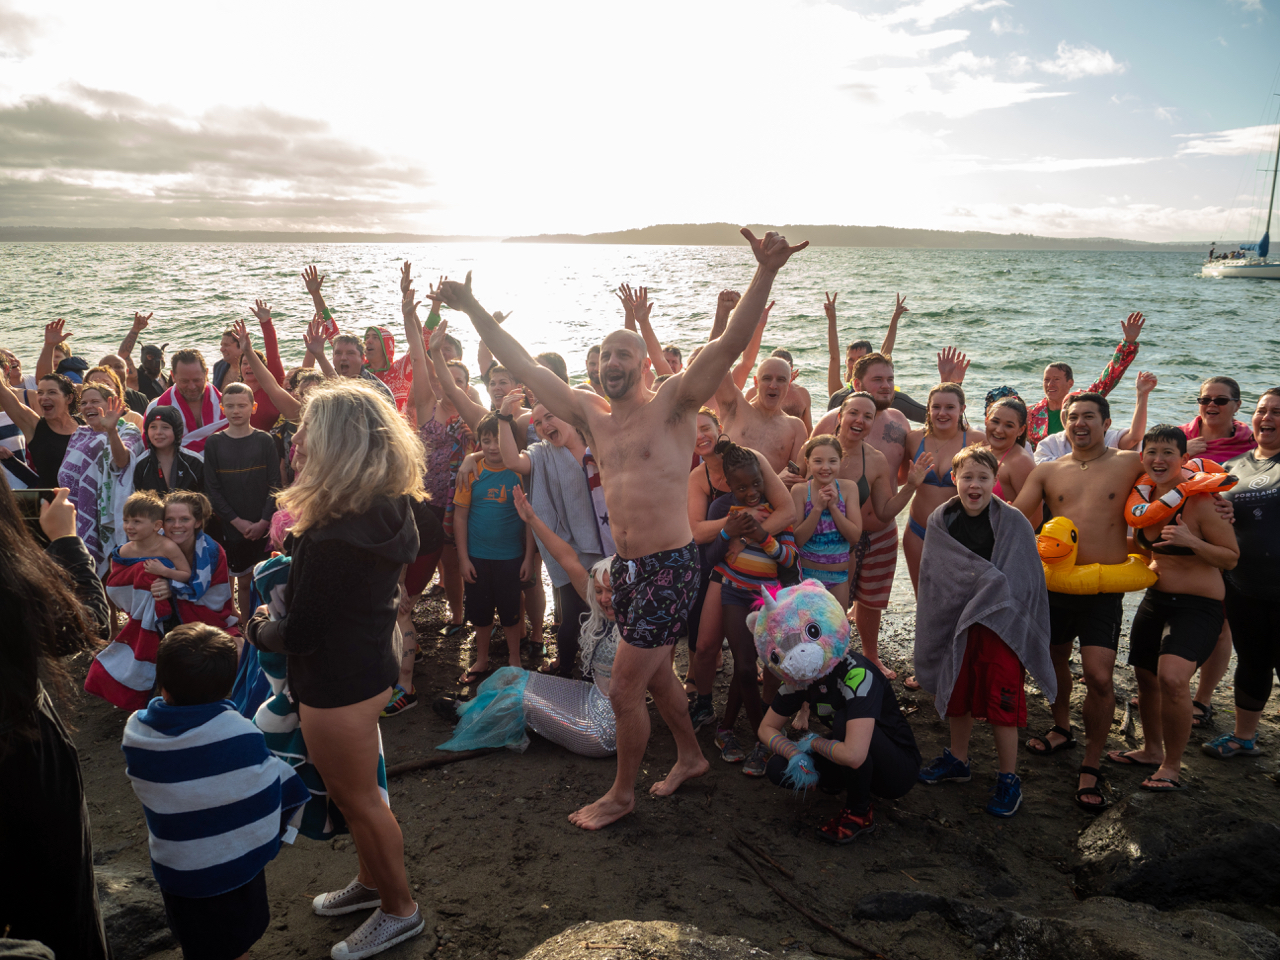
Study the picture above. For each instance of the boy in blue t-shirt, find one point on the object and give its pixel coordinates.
(494, 553)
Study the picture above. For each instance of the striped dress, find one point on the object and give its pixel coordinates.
(757, 565)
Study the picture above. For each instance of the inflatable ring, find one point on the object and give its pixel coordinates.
(1057, 544)
(1198, 476)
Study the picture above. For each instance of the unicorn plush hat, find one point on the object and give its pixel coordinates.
(801, 633)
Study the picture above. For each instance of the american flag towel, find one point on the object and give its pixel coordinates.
(124, 671)
(217, 802)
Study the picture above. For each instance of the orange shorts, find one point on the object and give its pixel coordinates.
(989, 685)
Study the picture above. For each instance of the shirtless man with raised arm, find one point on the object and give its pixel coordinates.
(643, 443)
(761, 423)
(1089, 486)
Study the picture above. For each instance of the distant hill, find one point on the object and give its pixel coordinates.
(832, 235)
(676, 234)
(146, 234)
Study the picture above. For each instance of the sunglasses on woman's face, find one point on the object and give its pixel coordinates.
(1217, 401)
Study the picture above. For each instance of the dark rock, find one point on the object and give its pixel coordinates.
(891, 906)
(1102, 928)
(133, 913)
(1135, 852)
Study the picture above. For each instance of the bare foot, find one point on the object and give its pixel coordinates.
(888, 674)
(678, 775)
(911, 683)
(602, 813)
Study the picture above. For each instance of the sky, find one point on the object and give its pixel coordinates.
(1147, 120)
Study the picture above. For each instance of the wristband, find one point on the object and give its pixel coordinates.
(505, 417)
(725, 535)
(433, 319)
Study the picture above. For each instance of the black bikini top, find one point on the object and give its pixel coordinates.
(1159, 546)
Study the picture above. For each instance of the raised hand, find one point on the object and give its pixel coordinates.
(829, 307)
(406, 279)
(920, 469)
(772, 252)
(262, 311)
(727, 300)
(952, 365)
(112, 410)
(499, 317)
(513, 402)
(140, 322)
(433, 294)
(314, 338)
(1145, 383)
(312, 278)
(56, 332)
(456, 295)
(438, 337)
(899, 306)
(636, 302)
(241, 332)
(409, 306)
(764, 317)
(1132, 327)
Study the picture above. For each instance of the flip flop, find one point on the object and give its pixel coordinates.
(1049, 748)
(1128, 760)
(1170, 786)
(453, 630)
(911, 683)
(471, 676)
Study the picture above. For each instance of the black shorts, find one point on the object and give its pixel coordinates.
(1095, 619)
(243, 555)
(222, 927)
(497, 588)
(1174, 624)
(653, 596)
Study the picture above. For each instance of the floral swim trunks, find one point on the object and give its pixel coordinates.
(653, 596)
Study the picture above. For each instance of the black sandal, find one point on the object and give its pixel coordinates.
(1094, 791)
(1049, 748)
(1204, 718)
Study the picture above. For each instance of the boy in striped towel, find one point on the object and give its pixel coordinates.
(217, 801)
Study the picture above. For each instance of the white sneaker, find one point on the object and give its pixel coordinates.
(354, 896)
(379, 932)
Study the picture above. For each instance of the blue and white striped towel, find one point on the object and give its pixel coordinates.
(217, 801)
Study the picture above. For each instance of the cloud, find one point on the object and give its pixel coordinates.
(1133, 221)
(1086, 60)
(17, 31)
(1228, 143)
(1061, 165)
(1168, 114)
(925, 13)
(1003, 25)
(1249, 6)
(103, 154)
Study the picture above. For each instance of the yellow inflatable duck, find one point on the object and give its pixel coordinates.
(1057, 544)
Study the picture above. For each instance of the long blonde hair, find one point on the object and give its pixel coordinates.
(358, 449)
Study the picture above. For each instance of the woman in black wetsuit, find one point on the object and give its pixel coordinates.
(1253, 587)
(49, 430)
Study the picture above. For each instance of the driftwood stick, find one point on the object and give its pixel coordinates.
(805, 911)
(440, 760)
(765, 857)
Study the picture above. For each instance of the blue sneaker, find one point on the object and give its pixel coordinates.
(945, 768)
(1006, 796)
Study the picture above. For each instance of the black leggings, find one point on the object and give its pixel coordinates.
(888, 772)
(743, 647)
(572, 608)
(1255, 633)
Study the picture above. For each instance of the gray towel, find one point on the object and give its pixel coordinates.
(559, 495)
(958, 589)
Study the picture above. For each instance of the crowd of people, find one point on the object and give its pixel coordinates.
(242, 547)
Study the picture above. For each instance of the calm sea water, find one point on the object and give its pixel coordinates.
(1011, 312)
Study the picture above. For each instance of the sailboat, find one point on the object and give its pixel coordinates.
(1255, 267)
